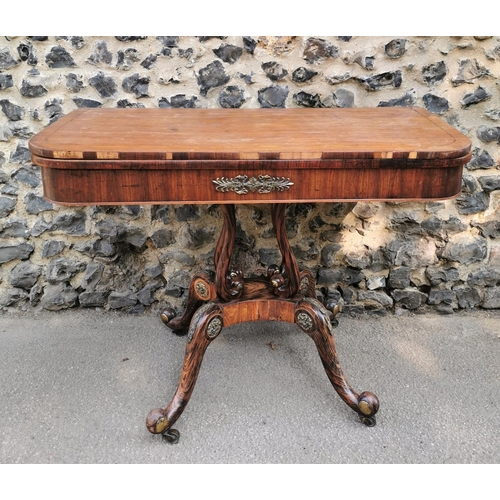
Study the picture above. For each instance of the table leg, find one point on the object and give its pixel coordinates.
(313, 318)
(286, 295)
(206, 325)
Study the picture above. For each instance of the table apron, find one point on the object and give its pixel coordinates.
(113, 187)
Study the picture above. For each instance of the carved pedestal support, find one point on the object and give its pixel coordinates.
(284, 295)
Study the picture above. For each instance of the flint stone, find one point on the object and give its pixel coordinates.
(104, 85)
(125, 103)
(57, 297)
(177, 283)
(58, 57)
(73, 83)
(92, 276)
(488, 134)
(441, 297)
(24, 275)
(211, 76)
(149, 61)
(6, 59)
(232, 97)
(12, 111)
(472, 203)
(199, 237)
(92, 299)
(22, 155)
(318, 49)
(52, 248)
(154, 271)
(146, 295)
(491, 298)
(273, 96)
(365, 210)
(480, 160)
(375, 282)
(6, 81)
(7, 206)
(87, 103)
(343, 98)
(375, 299)
(160, 213)
(396, 48)
(228, 53)
(493, 114)
(484, 277)
(136, 85)
(302, 75)
(377, 82)
(39, 38)
(469, 71)
(168, 41)
(308, 100)
(467, 298)
(413, 254)
(97, 248)
(307, 250)
(178, 101)
(130, 38)
(11, 252)
(26, 53)
(399, 277)
(438, 275)
(328, 254)
(249, 44)
(101, 54)
(269, 256)
(163, 238)
(344, 276)
(12, 296)
(61, 270)
(436, 104)
(135, 236)
(409, 299)
(479, 95)
(73, 223)
(36, 204)
(29, 90)
(119, 300)
(177, 256)
(490, 182)
(14, 229)
(465, 252)
(490, 229)
(434, 73)
(274, 71)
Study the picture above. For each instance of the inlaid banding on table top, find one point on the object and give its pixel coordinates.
(196, 156)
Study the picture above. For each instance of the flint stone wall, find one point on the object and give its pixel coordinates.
(371, 257)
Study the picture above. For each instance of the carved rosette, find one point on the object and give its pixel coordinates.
(242, 184)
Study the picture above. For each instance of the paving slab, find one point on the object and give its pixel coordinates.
(76, 387)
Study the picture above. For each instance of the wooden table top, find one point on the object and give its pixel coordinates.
(229, 134)
(141, 155)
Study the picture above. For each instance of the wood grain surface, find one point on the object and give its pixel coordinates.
(136, 156)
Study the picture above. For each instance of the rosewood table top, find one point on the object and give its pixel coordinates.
(115, 156)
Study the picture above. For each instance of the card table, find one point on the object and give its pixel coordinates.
(250, 156)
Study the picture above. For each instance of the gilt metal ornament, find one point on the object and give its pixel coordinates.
(242, 184)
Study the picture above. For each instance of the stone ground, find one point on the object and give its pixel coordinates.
(78, 384)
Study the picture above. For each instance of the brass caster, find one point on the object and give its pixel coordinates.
(368, 421)
(171, 436)
(167, 315)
